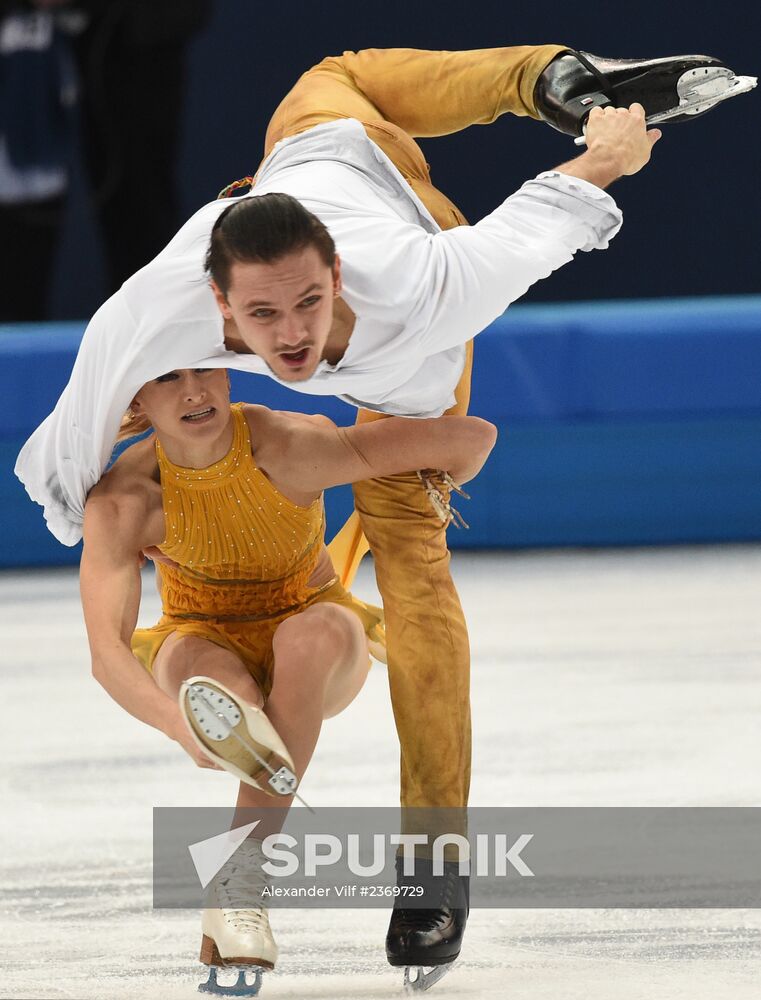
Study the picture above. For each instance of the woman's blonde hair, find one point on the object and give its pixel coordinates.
(132, 424)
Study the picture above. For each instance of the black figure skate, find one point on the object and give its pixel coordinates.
(427, 939)
(671, 89)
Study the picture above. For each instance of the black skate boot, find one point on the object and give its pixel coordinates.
(427, 938)
(672, 88)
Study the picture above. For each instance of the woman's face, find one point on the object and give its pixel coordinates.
(191, 404)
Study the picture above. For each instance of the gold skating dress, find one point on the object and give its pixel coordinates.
(244, 554)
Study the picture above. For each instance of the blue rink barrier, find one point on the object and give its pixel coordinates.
(625, 423)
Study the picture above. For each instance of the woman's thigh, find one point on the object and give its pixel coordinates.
(182, 656)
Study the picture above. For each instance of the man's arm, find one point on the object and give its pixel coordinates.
(449, 286)
(315, 457)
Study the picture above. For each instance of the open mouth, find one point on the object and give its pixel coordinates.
(199, 416)
(295, 358)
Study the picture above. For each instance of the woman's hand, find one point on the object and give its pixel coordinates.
(180, 733)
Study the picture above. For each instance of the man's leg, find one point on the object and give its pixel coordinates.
(424, 93)
(397, 94)
(430, 93)
(426, 635)
(427, 639)
(401, 93)
(436, 93)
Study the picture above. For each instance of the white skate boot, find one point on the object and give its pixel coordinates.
(236, 931)
(237, 736)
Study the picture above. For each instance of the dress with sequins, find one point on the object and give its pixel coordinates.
(244, 554)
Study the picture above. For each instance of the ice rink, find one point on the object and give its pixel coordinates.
(604, 678)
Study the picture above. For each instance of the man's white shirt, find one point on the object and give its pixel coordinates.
(418, 294)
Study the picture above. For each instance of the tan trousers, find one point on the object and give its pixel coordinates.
(398, 94)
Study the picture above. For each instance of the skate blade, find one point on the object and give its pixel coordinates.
(241, 988)
(419, 977)
(700, 90)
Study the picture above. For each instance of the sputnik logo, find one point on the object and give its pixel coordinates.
(209, 855)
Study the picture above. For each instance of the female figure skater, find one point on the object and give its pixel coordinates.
(231, 496)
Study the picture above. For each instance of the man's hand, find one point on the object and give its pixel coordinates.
(618, 145)
(621, 136)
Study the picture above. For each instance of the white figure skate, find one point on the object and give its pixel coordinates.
(237, 736)
(236, 931)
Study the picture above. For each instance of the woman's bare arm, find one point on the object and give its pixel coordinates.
(315, 456)
(110, 587)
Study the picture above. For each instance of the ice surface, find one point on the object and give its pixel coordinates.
(599, 678)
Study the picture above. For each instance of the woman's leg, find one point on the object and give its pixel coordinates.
(320, 664)
(182, 656)
(234, 922)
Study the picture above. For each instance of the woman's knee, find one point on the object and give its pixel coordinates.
(322, 652)
(325, 633)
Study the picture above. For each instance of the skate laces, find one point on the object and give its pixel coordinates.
(248, 920)
(438, 486)
(239, 884)
(448, 896)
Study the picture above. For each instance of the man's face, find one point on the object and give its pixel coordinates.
(283, 311)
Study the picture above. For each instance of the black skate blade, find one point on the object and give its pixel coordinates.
(241, 988)
(424, 976)
(699, 94)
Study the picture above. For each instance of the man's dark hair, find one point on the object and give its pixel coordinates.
(262, 230)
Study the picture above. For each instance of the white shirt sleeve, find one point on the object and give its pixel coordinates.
(65, 456)
(462, 279)
(68, 453)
